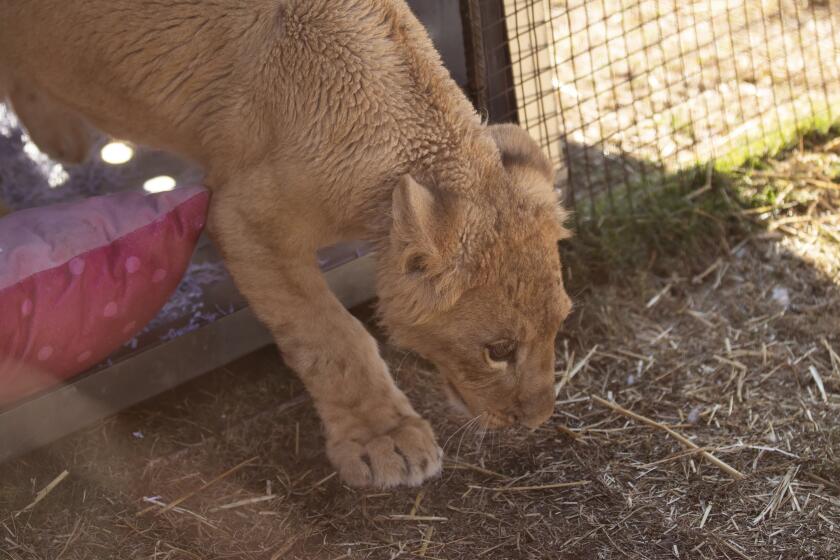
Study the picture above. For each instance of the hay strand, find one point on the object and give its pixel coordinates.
(679, 437)
(204, 486)
(44, 492)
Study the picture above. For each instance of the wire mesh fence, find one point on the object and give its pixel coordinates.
(628, 95)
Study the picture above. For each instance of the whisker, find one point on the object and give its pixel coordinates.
(463, 426)
(473, 426)
(476, 430)
(482, 432)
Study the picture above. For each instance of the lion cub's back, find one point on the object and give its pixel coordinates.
(209, 77)
(140, 69)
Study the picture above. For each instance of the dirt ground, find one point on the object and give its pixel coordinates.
(735, 351)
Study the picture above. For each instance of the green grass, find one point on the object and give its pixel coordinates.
(793, 121)
(689, 215)
(666, 224)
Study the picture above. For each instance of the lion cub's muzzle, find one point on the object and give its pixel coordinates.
(537, 410)
(531, 410)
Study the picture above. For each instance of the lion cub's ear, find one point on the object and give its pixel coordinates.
(531, 171)
(414, 214)
(518, 149)
(422, 260)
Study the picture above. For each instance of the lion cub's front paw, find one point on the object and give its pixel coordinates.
(404, 454)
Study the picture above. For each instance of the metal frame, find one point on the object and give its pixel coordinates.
(77, 404)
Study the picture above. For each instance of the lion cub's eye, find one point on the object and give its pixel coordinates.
(501, 351)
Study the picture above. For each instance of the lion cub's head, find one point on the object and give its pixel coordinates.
(471, 280)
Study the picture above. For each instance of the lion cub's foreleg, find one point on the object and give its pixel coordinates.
(374, 436)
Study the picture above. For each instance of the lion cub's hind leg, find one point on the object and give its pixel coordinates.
(59, 132)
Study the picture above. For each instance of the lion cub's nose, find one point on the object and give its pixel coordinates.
(536, 413)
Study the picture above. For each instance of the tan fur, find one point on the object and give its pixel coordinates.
(319, 121)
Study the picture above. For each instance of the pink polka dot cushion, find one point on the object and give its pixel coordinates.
(77, 280)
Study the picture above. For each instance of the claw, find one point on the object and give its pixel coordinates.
(406, 463)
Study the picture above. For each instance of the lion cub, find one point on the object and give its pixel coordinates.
(319, 121)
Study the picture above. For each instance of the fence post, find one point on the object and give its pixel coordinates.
(488, 59)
